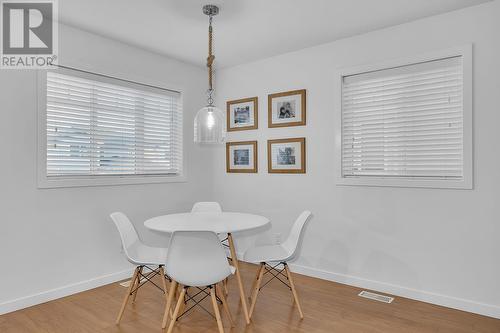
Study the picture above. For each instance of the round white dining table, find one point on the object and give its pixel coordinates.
(218, 222)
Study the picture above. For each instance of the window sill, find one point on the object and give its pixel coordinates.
(465, 184)
(51, 182)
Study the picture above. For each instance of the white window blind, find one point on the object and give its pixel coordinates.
(97, 126)
(404, 122)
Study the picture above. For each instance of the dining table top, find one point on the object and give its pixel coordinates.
(218, 222)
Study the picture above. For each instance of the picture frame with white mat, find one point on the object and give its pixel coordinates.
(287, 109)
(241, 157)
(242, 114)
(286, 155)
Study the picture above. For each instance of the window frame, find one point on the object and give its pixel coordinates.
(44, 181)
(466, 182)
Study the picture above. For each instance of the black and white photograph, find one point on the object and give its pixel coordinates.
(242, 114)
(250, 166)
(287, 109)
(241, 157)
(286, 155)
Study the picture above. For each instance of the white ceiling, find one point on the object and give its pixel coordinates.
(245, 30)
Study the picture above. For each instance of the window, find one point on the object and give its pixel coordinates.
(101, 130)
(407, 124)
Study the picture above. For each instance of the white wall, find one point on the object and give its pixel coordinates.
(62, 238)
(436, 245)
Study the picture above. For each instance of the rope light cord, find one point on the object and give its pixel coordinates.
(210, 61)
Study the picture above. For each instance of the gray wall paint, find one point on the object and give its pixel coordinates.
(52, 238)
(404, 240)
(439, 245)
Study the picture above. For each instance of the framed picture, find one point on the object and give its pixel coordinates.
(242, 114)
(287, 109)
(241, 157)
(286, 155)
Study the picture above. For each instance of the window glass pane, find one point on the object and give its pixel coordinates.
(404, 122)
(99, 127)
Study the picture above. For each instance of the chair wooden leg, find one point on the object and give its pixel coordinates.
(177, 292)
(225, 306)
(216, 310)
(256, 288)
(177, 310)
(183, 304)
(294, 291)
(163, 281)
(127, 296)
(254, 282)
(137, 283)
(170, 299)
(224, 283)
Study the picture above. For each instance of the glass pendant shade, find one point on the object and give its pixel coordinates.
(210, 123)
(210, 126)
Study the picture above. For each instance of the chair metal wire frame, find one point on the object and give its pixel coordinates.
(201, 291)
(271, 269)
(216, 300)
(135, 284)
(275, 274)
(148, 277)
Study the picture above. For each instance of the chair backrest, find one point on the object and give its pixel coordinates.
(128, 234)
(196, 259)
(202, 207)
(290, 244)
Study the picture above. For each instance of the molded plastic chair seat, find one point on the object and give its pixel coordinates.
(211, 207)
(197, 259)
(135, 250)
(140, 254)
(279, 254)
(267, 253)
(206, 206)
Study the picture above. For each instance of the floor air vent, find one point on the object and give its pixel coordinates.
(376, 297)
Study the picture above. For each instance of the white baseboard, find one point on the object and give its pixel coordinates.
(383, 287)
(419, 295)
(71, 289)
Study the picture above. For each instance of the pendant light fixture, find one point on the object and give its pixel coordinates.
(209, 123)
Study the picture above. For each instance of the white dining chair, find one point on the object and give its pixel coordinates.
(213, 207)
(196, 259)
(142, 256)
(206, 206)
(274, 260)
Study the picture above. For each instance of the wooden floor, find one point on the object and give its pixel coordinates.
(328, 307)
